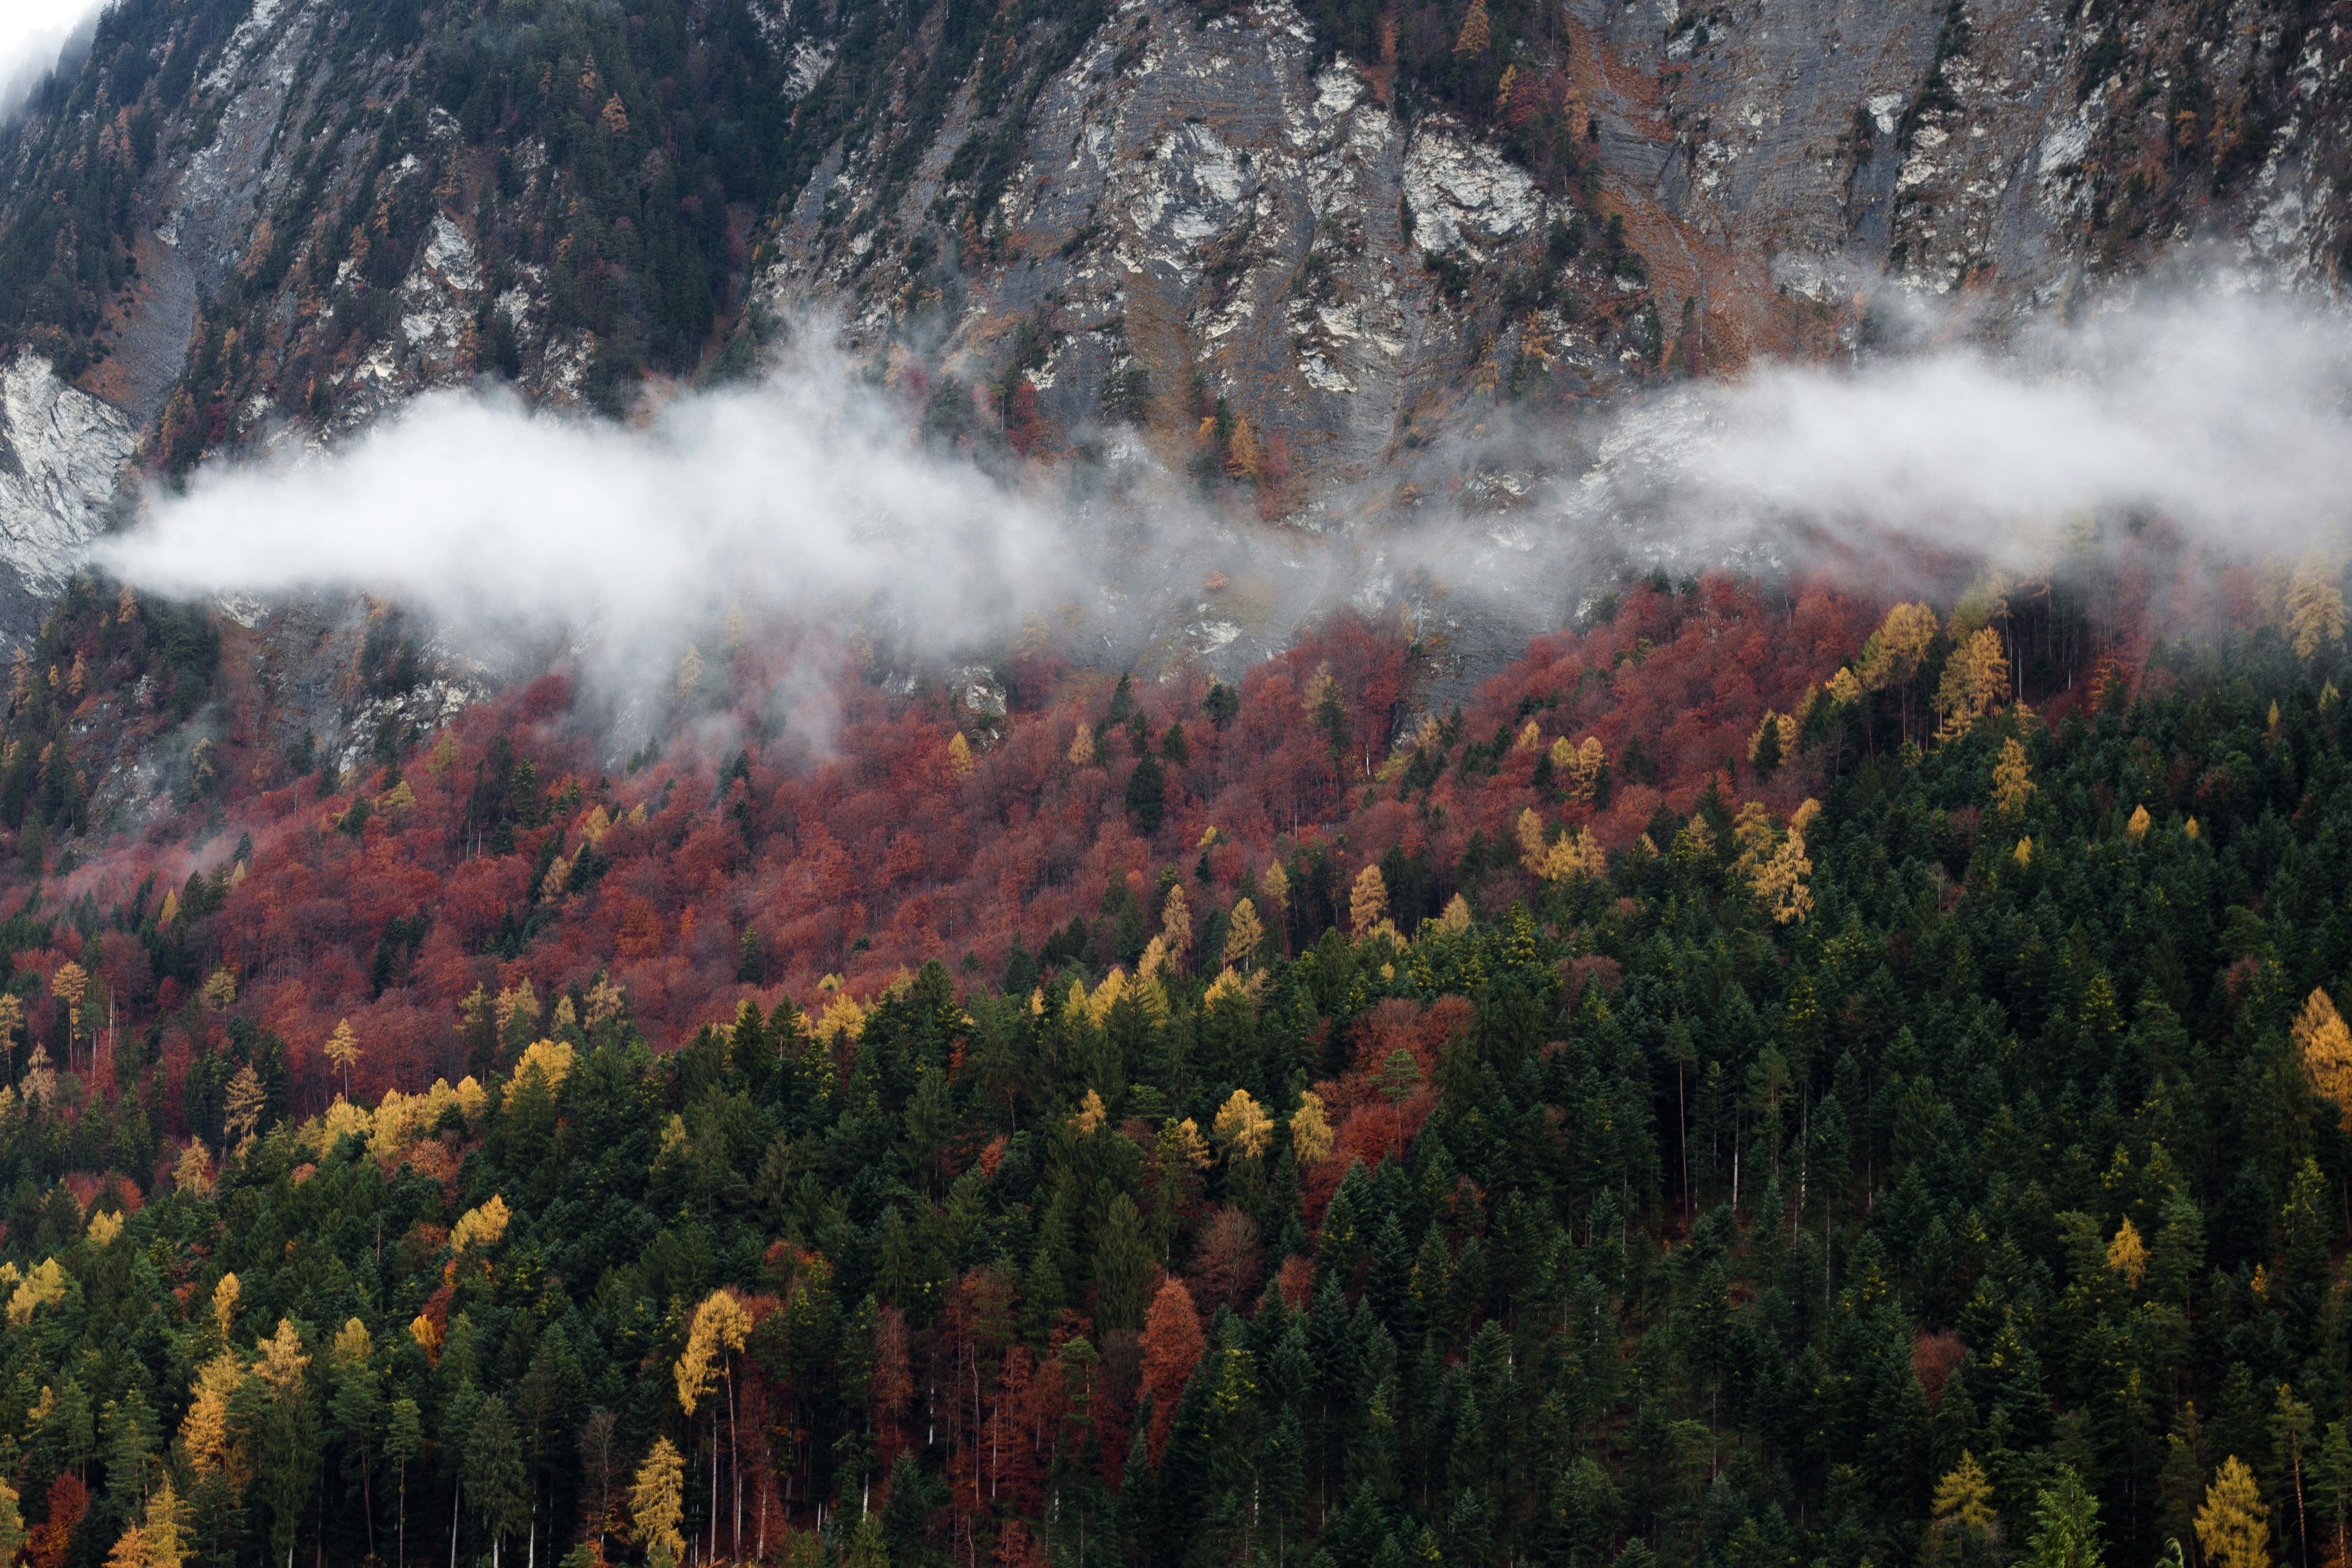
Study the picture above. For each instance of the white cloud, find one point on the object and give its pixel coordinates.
(32, 35)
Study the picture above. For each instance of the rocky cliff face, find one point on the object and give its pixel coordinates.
(1313, 284)
(62, 452)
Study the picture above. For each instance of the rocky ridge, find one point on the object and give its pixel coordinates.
(1199, 220)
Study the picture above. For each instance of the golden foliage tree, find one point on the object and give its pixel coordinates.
(160, 1540)
(1456, 917)
(225, 1293)
(720, 1324)
(2138, 825)
(2127, 1255)
(1311, 1140)
(481, 1228)
(1243, 1126)
(342, 1049)
(1176, 926)
(244, 1102)
(1976, 679)
(1476, 31)
(1961, 1524)
(1778, 881)
(958, 754)
(2325, 1044)
(1368, 902)
(1533, 850)
(657, 1501)
(219, 992)
(1082, 748)
(1243, 935)
(1242, 460)
(1580, 767)
(44, 1285)
(281, 1360)
(2233, 1526)
(1575, 857)
(68, 985)
(1891, 655)
(2013, 780)
(2314, 607)
(1275, 888)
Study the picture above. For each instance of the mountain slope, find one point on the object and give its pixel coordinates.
(240, 220)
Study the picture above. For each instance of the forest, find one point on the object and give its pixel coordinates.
(1779, 1074)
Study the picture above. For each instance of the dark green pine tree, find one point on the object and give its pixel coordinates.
(495, 1480)
(1147, 795)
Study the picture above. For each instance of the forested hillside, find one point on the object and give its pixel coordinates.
(1886, 1112)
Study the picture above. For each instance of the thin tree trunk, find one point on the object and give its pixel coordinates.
(1681, 1134)
(735, 1463)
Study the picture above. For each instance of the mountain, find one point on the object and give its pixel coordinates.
(1630, 1064)
(1358, 237)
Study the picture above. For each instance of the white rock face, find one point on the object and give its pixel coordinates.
(61, 451)
(1462, 188)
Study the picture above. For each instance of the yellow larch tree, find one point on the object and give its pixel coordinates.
(2127, 1255)
(721, 1325)
(225, 1292)
(657, 1501)
(481, 1228)
(958, 754)
(1243, 935)
(68, 985)
(219, 992)
(1575, 856)
(2012, 781)
(1581, 769)
(2325, 1044)
(1780, 883)
(1456, 917)
(1533, 850)
(2233, 1526)
(1274, 889)
(1243, 1126)
(342, 1049)
(1176, 927)
(1891, 656)
(244, 1102)
(1082, 748)
(1476, 31)
(2138, 825)
(1976, 679)
(1241, 452)
(1368, 902)
(2314, 607)
(1311, 1140)
(1961, 1521)
(44, 1285)
(281, 1360)
(160, 1540)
